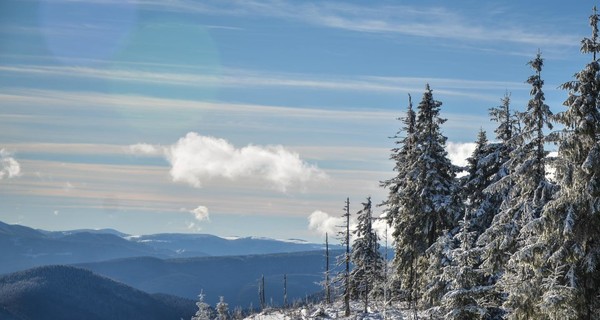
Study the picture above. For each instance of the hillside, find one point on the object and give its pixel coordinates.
(236, 278)
(61, 292)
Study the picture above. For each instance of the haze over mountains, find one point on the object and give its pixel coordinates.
(24, 247)
(149, 268)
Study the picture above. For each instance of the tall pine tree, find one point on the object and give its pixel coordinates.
(571, 222)
(483, 169)
(403, 225)
(531, 191)
(366, 258)
(423, 202)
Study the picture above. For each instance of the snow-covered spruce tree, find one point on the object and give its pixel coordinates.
(435, 203)
(405, 228)
(222, 309)
(435, 174)
(483, 168)
(465, 297)
(204, 312)
(499, 240)
(366, 258)
(571, 221)
(432, 283)
(522, 279)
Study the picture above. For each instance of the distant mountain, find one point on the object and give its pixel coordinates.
(234, 277)
(61, 292)
(194, 245)
(24, 247)
(58, 234)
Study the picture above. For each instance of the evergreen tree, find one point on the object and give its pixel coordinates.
(499, 240)
(261, 292)
(204, 312)
(222, 309)
(422, 203)
(483, 169)
(571, 221)
(531, 191)
(434, 203)
(435, 175)
(465, 297)
(343, 278)
(433, 284)
(327, 284)
(366, 258)
(404, 227)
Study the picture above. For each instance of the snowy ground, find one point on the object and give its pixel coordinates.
(333, 311)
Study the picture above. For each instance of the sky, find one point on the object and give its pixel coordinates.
(248, 118)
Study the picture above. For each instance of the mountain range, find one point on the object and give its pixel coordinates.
(178, 265)
(23, 247)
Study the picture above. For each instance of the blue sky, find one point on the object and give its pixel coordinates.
(246, 117)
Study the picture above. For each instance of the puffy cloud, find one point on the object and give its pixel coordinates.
(323, 223)
(9, 167)
(195, 159)
(200, 213)
(380, 226)
(459, 152)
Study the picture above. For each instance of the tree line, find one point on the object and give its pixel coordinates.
(516, 237)
(509, 239)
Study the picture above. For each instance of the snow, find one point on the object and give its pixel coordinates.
(335, 311)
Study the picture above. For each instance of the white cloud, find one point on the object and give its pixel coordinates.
(474, 89)
(380, 226)
(201, 213)
(9, 167)
(323, 223)
(459, 152)
(420, 21)
(146, 149)
(196, 159)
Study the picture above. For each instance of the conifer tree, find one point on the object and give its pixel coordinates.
(530, 192)
(222, 309)
(500, 237)
(343, 278)
(435, 202)
(403, 226)
(465, 296)
(327, 283)
(483, 169)
(571, 221)
(366, 258)
(261, 292)
(204, 312)
(423, 201)
(435, 186)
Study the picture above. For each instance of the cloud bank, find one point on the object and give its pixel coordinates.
(196, 159)
(9, 167)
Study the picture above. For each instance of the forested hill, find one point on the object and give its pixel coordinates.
(61, 292)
